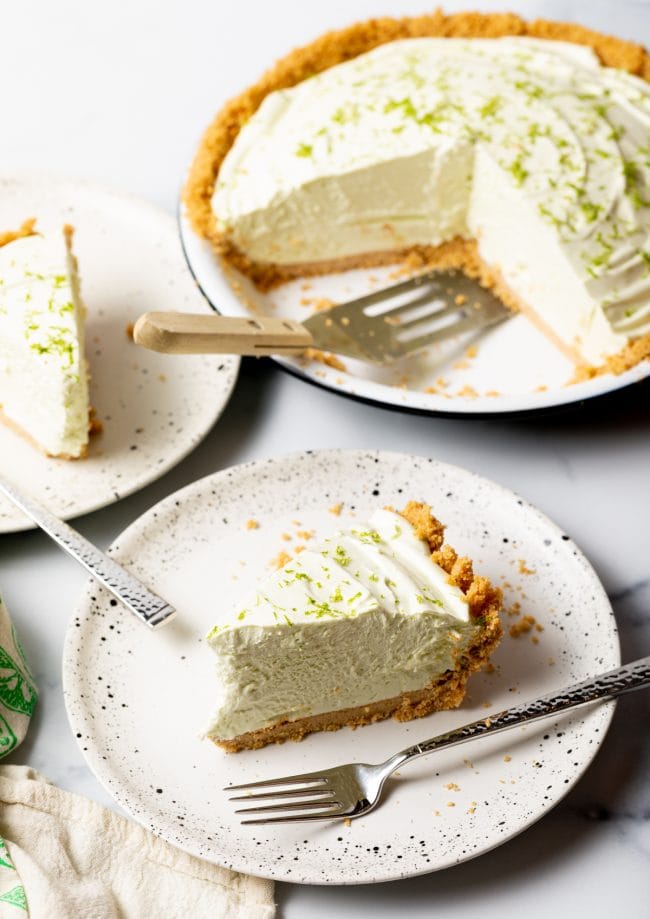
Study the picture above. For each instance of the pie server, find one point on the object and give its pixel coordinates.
(379, 327)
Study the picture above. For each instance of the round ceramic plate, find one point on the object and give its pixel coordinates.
(138, 700)
(154, 409)
(509, 369)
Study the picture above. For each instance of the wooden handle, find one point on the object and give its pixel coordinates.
(187, 333)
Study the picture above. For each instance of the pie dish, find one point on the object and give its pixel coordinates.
(380, 620)
(43, 368)
(516, 151)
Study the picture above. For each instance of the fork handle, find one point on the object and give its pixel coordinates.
(608, 685)
(136, 596)
(188, 333)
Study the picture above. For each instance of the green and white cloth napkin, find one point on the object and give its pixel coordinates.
(17, 690)
(65, 857)
(17, 702)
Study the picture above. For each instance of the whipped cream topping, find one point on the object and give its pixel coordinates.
(364, 616)
(419, 140)
(43, 378)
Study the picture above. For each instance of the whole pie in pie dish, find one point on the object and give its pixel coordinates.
(516, 151)
(43, 369)
(376, 621)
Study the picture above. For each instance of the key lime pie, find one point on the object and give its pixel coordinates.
(519, 152)
(377, 621)
(43, 371)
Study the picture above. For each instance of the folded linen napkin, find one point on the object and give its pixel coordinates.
(67, 857)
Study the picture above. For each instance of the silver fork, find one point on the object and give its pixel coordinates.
(380, 327)
(355, 789)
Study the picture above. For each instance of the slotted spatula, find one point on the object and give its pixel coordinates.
(379, 327)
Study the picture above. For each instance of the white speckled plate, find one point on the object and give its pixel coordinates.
(137, 701)
(509, 369)
(154, 409)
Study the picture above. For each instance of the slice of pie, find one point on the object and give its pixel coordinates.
(43, 370)
(377, 621)
(482, 142)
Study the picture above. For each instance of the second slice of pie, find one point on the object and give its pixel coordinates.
(377, 621)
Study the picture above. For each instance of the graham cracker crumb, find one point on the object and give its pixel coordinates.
(467, 392)
(318, 304)
(324, 357)
(523, 569)
(347, 822)
(336, 509)
(281, 560)
(452, 786)
(524, 625)
(506, 758)
(95, 426)
(252, 524)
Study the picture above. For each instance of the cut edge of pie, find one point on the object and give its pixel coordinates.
(338, 46)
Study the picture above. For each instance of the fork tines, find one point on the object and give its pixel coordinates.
(313, 785)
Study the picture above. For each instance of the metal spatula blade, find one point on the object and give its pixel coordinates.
(390, 323)
(380, 327)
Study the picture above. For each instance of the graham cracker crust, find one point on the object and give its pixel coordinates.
(344, 44)
(17, 429)
(445, 692)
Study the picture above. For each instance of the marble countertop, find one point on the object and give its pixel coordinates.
(119, 93)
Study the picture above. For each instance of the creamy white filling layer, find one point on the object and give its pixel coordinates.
(364, 616)
(408, 143)
(43, 377)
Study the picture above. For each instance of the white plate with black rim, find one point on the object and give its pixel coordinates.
(154, 410)
(137, 701)
(508, 369)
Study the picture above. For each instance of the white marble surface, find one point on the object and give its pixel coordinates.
(120, 92)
